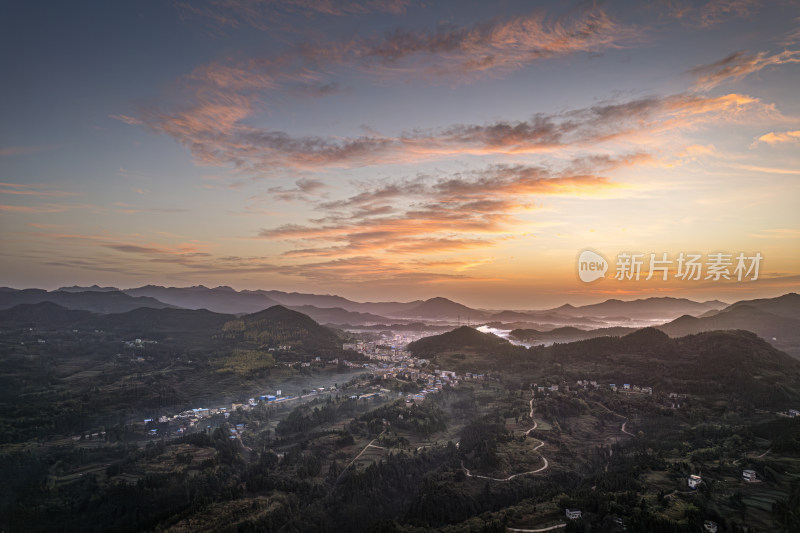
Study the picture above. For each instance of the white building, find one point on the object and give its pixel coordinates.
(573, 514)
(710, 526)
(749, 475)
(694, 481)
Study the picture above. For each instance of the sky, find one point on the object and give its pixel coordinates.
(395, 150)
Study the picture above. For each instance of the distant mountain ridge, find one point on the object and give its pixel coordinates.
(337, 315)
(225, 299)
(96, 301)
(656, 307)
(787, 305)
(93, 288)
(219, 299)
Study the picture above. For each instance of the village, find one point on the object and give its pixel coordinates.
(389, 366)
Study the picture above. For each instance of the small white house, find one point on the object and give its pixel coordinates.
(710, 526)
(794, 412)
(573, 514)
(749, 475)
(694, 481)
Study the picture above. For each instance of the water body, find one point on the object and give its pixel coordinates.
(504, 333)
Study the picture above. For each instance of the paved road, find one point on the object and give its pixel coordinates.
(537, 530)
(625, 431)
(360, 454)
(509, 478)
(619, 415)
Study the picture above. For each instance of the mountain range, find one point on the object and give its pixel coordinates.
(105, 301)
(227, 300)
(775, 319)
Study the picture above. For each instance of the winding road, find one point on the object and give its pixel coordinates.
(619, 415)
(509, 478)
(625, 431)
(537, 530)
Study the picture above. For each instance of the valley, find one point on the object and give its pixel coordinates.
(167, 419)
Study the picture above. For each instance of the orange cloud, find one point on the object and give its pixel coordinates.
(31, 189)
(496, 44)
(219, 97)
(738, 65)
(214, 132)
(779, 138)
(470, 210)
(42, 208)
(267, 14)
(710, 13)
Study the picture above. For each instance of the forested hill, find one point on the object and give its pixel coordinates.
(43, 313)
(279, 326)
(733, 362)
(463, 338)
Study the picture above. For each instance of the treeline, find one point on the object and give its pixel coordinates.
(424, 419)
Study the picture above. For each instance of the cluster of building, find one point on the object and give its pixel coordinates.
(390, 361)
(694, 481)
(585, 384)
(138, 343)
(386, 347)
(319, 362)
(185, 420)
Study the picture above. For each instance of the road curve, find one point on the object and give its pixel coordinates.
(509, 478)
(563, 524)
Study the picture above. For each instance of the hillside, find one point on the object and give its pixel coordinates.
(96, 301)
(566, 334)
(442, 308)
(158, 324)
(337, 315)
(463, 338)
(663, 307)
(279, 326)
(43, 314)
(787, 306)
(782, 332)
(737, 363)
(298, 299)
(548, 317)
